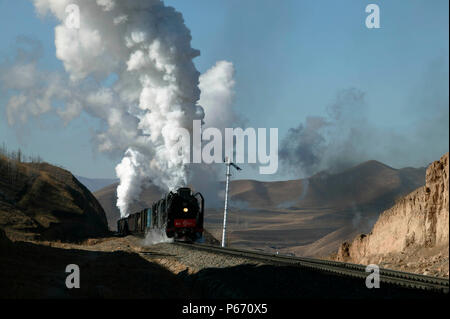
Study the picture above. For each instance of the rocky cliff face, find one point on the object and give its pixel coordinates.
(416, 226)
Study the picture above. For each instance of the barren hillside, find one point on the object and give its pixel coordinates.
(414, 233)
(39, 200)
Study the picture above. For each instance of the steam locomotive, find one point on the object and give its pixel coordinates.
(179, 214)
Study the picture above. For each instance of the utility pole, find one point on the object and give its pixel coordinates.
(228, 164)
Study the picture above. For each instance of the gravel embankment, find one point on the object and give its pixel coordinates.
(193, 259)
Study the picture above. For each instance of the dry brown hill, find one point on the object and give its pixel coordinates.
(368, 183)
(414, 233)
(42, 201)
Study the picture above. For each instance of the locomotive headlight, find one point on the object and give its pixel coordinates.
(185, 209)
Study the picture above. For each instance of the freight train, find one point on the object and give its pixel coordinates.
(179, 214)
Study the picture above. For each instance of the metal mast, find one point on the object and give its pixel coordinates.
(228, 164)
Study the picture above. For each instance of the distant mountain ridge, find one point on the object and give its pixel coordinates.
(95, 184)
(365, 184)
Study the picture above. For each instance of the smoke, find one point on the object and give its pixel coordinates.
(217, 97)
(362, 220)
(35, 90)
(156, 236)
(287, 204)
(303, 146)
(217, 87)
(131, 172)
(332, 142)
(305, 188)
(291, 204)
(142, 49)
(356, 219)
(345, 136)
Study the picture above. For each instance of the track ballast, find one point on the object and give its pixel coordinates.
(394, 277)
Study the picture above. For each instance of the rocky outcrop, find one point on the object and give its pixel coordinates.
(417, 222)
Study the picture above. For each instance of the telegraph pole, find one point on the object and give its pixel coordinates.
(228, 163)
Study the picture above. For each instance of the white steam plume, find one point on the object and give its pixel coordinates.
(217, 93)
(217, 97)
(147, 46)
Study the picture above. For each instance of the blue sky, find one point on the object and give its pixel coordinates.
(291, 58)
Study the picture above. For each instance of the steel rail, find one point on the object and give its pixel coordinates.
(399, 278)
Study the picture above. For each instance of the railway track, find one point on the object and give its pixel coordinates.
(387, 276)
